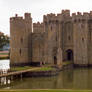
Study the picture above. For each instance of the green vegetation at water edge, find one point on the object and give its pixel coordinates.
(45, 69)
(20, 68)
(29, 67)
(4, 39)
(46, 90)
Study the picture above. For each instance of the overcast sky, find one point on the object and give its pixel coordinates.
(38, 8)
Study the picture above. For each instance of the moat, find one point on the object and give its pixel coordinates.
(79, 78)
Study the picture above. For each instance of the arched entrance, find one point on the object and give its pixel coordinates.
(55, 55)
(69, 55)
(55, 60)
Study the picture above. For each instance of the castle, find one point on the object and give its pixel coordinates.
(59, 38)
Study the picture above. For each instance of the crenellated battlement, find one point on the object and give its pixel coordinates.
(38, 27)
(84, 14)
(38, 24)
(80, 17)
(27, 16)
(65, 13)
(54, 17)
(49, 17)
(16, 18)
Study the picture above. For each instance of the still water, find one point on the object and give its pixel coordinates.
(80, 78)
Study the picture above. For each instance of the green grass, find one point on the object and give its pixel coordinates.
(29, 67)
(20, 68)
(48, 90)
(45, 69)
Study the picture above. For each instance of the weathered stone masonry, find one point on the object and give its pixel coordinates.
(59, 38)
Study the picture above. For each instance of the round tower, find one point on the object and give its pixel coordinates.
(20, 33)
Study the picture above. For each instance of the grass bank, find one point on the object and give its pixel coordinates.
(20, 68)
(29, 67)
(47, 90)
(45, 69)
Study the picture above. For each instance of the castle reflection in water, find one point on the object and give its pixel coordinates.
(80, 78)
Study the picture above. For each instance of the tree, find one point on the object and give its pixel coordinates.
(4, 39)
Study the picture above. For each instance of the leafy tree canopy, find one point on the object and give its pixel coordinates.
(4, 39)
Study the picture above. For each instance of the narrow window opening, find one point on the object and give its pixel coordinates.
(55, 60)
(51, 28)
(56, 38)
(75, 21)
(20, 51)
(21, 40)
(69, 38)
(90, 35)
(82, 39)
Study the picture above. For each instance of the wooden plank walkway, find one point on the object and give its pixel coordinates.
(17, 72)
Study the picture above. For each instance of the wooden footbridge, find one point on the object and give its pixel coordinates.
(17, 72)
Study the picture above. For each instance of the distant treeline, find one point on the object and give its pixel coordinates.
(4, 39)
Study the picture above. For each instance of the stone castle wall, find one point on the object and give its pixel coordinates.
(51, 37)
(19, 30)
(80, 34)
(61, 37)
(37, 47)
(38, 27)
